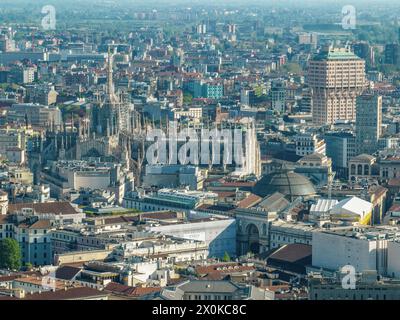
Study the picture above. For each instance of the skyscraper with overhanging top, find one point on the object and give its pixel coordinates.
(336, 77)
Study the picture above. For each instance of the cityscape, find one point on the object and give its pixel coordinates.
(198, 150)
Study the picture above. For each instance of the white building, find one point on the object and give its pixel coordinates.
(352, 209)
(11, 138)
(364, 248)
(320, 211)
(64, 176)
(36, 114)
(169, 199)
(172, 250)
(218, 232)
(393, 264)
(173, 176)
(309, 143)
(283, 232)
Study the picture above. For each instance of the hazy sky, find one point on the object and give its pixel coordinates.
(212, 2)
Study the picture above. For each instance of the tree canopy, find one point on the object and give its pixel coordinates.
(10, 254)
(226, 257)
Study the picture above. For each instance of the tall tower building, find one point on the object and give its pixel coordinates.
(278, 95)
(368, 123)
(392, 54)
(336, 77)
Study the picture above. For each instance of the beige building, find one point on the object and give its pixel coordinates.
(337, 77)
(360, 167)
(11, 138)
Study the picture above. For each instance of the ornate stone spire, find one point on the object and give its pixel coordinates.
(111, 97)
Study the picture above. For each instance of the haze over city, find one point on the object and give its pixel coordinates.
(199, 150)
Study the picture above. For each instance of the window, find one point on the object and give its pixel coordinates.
(264, 229)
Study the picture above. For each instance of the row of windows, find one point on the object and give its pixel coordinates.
(208, 297)
(72, 238)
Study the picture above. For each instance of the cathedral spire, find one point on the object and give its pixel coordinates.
(110, 84)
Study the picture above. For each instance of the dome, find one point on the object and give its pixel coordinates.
(287, 182)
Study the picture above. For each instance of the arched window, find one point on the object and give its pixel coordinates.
(359, 170)
(353, 169)
(366, 170)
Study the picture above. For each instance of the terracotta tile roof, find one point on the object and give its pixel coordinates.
(119, 219)
(41, 224)
(114, 287)
(122, 289)
(224, 194)
(62, 207)
(77, 293)
(159, 215)
(4, 218)
(250, 201)
(141, 291)
(238, 184)
(67, 272)
(278, 287)
(292, 252)
(395, 208)
(9, 278)
(39, 281)
(395, 182)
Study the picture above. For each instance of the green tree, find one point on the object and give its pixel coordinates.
(10, 254)
(292, 67)
(187, 98)
(28, 266)
(226, 257)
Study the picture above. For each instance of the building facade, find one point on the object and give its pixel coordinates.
(368, 123)
(337, 77)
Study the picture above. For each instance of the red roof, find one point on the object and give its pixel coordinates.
(122, 289)
(250, 201)
(60, 207)
(395, 208)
